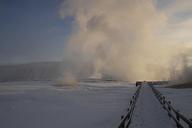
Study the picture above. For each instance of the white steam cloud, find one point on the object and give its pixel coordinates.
(123, 39)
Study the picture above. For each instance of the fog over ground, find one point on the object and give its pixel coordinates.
(127, 39)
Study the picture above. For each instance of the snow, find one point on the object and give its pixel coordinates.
(41, 105)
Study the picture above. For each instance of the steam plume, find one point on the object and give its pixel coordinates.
(119, 39)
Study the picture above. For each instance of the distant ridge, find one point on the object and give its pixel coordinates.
(30, 71)
(183, 85)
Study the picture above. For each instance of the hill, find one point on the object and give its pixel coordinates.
(30, 71)
(183, 85)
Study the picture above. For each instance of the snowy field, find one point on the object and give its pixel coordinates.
(88, 105)
(41, 105)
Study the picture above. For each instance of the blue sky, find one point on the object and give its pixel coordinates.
(31, 30)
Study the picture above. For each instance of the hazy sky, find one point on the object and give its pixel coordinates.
(33, 30)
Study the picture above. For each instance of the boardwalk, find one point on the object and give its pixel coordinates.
(149, 112)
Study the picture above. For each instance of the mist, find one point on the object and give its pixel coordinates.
(120, 39)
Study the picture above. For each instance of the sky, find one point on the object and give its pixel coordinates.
(31, 30)
(34, 30)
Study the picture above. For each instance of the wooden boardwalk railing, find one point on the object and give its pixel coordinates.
(180, 120)
(126, 120)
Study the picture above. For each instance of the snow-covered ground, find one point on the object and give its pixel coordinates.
(88, 105)
(41, 105)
